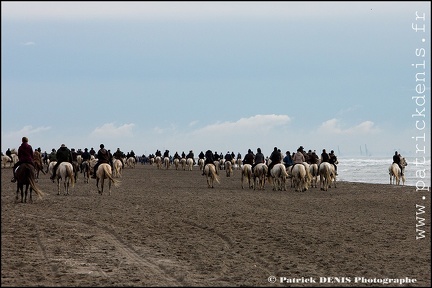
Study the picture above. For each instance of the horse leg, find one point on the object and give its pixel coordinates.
(25, 193)
(58, 186)
(102, 184)
(30, 196)
(20, 188)
(97, 185)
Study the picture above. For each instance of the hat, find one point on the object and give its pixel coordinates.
(85, 149)
(63, 145)
(53, 150)
(73, 149)
(101, 146)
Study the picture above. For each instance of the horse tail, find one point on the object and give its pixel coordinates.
(284, 171)
(327, 175)
(32, 182)
(115, 181)
(215, 175)
(70, 174)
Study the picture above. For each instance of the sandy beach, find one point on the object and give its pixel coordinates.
(166, 228)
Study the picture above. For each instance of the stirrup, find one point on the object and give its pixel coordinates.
(13, 180)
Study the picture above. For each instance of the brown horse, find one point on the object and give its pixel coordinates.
(25, 175)
(38, 164)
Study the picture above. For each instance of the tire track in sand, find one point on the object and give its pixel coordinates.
(152, 269)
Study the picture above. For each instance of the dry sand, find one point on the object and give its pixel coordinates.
(166, 228)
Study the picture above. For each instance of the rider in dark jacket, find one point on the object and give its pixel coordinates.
(103, 157)
(63, 155)
(208, 159)
(397, 160)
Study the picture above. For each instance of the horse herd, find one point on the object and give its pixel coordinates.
(302, 176)
(66, 175)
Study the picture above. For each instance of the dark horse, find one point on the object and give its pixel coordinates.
(25, 175)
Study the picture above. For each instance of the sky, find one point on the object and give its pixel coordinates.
(225, 76)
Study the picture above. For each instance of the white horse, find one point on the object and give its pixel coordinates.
(260, 174)
(92, 163)
(239, 163)
(14, 156)
(131, 162)
(166, 162)
(217, 165)
(327, 175)
(51, 168)
(183, 163)
(201, 164)
(300, 177)
(80, 161)
(228, 168)
(104, 172)
(151, 160)
(6, 159)
(189, 164)
(158, 161)
(396, 173)
(313, 170)
(247, 173)
(65, 173)
(221, 164)
(278, 177)
(211, 175)
(176, 162)
(117, 168)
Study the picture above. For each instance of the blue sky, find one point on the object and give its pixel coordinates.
(225, 76)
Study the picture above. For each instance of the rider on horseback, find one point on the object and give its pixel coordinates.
(259, 158)
(333, 160)
(85, 157)
(119, 156)
(397, 160)
(298, 157)
(103, 156)
(25, 155)
(208, 159)
(275, 158)
(324, 158)
(63, 155)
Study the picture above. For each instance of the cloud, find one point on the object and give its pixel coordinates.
(249, 125)
(29, 43)
(109, 130)
(26, 131)
(333, 126)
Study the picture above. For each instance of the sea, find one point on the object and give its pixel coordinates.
(376, 170)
